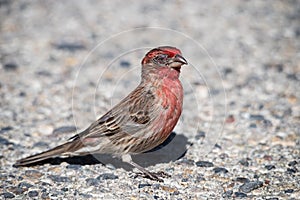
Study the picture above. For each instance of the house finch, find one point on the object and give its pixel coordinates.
(140, 122)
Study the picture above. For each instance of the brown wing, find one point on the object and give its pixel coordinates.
(130, 116)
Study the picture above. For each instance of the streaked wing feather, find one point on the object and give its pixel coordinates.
(130, 116)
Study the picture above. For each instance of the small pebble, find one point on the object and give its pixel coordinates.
(200, 135)
(240, 194)
(86, 196)
(227, 194)
(107, 176)
(25, 185)
(289, 191)
(11, 66)
(72, 166)
(8, 195)
(7, 128)
(217, 146)
(125, 64)
(59, 179)
(230, 119)
(33, 173)
(292, 163)
(291, 170)
(242, 180)
(33, 193)
(92, 181)
(69, 46)
(250, 186)
(4, 141)
(64, 129)
(219, 170)
(141, 185)
(269, 167)
(244, 162)
(257, 117)
(204, 164)
(45, 195)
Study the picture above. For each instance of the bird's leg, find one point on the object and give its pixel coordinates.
(127, 158)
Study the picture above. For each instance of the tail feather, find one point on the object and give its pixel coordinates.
(68, 147)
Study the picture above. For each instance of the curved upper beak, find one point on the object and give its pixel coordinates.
(178, 61)
(180, 58)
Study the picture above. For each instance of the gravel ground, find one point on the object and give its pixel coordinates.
(63, 64)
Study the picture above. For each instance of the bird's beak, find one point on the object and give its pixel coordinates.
(177, 61)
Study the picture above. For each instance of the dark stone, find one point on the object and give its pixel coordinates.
(43, 73)
(219, 170)
(107, 176)
(125, 64)
(293, 163)
(227, 70)
(204, 164)
(291, 170)
(22, 94)
(17, 190)
(217, 146)
(250, 186)
(257, 117)
(41, 144)
(227, 194)
(273, 198)
(240, 194)
(141, 185)
(289, 191)
(252, 125)
(200, 178)
(223, 156)
(4, 141)
(200, 135)
(60, 179)
(267, 123)
(86, 196)
(69, 46)
(244, 162)
(75, 167)
(64, 129)
(64, 189)
(45, 195)
(186, 161)
(184, 180)
(7, 128)
(92, 181)
(24, 185)
(10, 66)
(269, 167)
(33, 173)
(292, 77)
(33, 193)
(242, 180)
(8, 195)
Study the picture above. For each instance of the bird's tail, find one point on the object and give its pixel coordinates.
(68, 147)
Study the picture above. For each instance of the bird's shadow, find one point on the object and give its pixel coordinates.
(172, 149)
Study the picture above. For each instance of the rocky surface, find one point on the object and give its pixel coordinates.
(64, 63)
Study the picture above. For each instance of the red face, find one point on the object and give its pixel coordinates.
(164, 56)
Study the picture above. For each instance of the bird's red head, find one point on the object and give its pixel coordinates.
(165, 56)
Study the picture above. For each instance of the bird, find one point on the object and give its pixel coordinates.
(140, 122)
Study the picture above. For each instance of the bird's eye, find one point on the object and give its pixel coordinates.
(161, 58)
